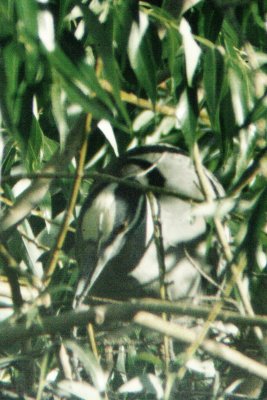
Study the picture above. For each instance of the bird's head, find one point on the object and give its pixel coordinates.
(110, 215)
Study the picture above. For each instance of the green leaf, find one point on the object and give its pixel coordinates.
(227, 125)
(143, 119)
(213, 83)
(32, 252)
(81, 75)
(33, 156)
(27, 13)
(124, 14)
(50, 146)
(211, 19)
(77, 96)
(17, 96)
(9, 82)
(191, 49)
(101, 32)
(27, 31)
(259, 111)
(172, 50)
(186, 114)
(60, 110)
(7, 22)
(141, 56)
(240, 94)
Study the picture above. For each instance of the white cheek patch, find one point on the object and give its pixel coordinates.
(98, 220)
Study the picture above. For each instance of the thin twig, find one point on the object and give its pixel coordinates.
(75, 190)
(111, 179)
(201, 271)
(158, 240)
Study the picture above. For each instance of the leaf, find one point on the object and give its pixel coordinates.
(60, 111)
(227, 124)
(90, 364)
(50, 147)
(186, 114)
(108, 132)
(46, 29)
(33, 157)
(173, 43)
(213, 83)
(165, 126)
(7, 22)
(239, 95)
(28, 36)
(27, 13)
(141, 55)
(211, 19)
(81, 390)
(32, 251)
(191, 49)
(78, 87)
(100, 21)
(9, 84)
(82, 75)
(175, 8)
(142, 120)
(124, 14)
(147, 383)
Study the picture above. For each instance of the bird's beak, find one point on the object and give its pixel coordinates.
(106, 253)
(101, 264)
(85, 284)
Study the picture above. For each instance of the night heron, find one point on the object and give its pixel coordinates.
(116, 250)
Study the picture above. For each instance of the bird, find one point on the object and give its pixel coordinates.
(115, 240)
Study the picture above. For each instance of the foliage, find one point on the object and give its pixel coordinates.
(141, 72)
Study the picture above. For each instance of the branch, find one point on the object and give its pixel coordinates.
(102, 177)
(106, 314)
(213, 348)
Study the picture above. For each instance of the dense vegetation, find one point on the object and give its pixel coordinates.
(81, 81)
